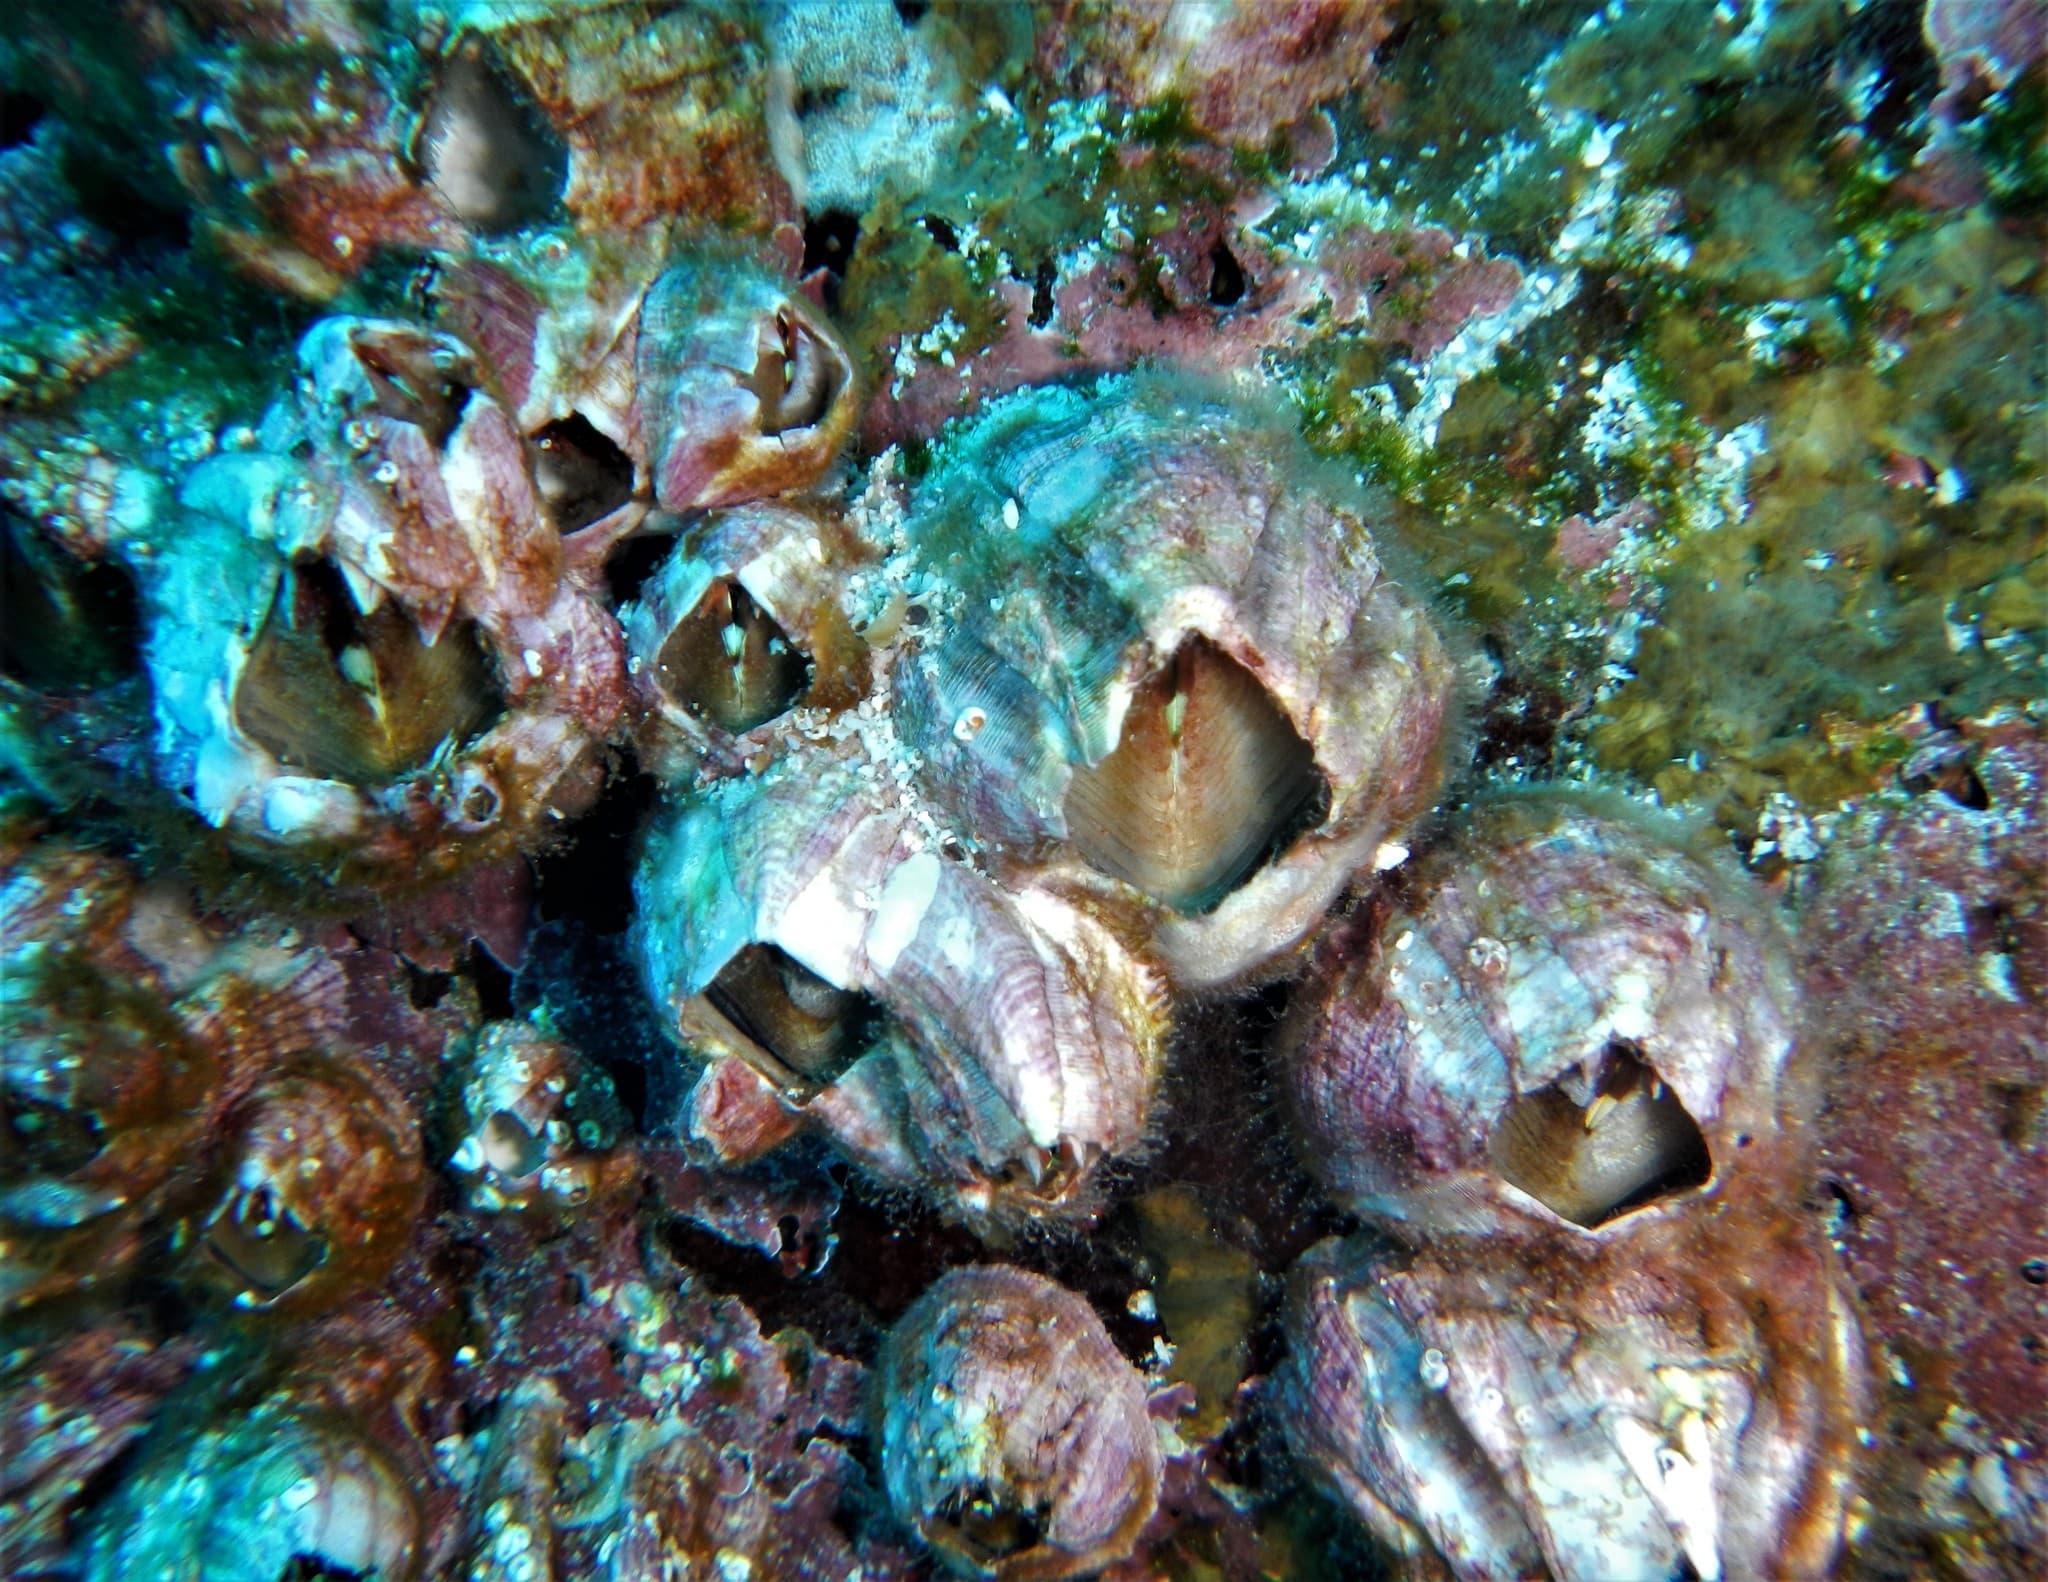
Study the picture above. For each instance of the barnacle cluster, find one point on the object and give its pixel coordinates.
(822, 790)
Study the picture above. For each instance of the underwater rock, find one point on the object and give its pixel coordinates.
(646, 1429)
(1687, 1407)
(1239, 69)
(1164, 643)
(1566, 1022)
(1925, 934)
(1013, 1436)
(993, 1045)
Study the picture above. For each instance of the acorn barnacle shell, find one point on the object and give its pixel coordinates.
(744, 391)
(1567, 1021)
(743, 623)
(1015, 1438)
(537, 1123)
(363, 641)
(1171, 650)
(319, 1183)
(991, 1044)
(255, 1495)
(1584, 1414)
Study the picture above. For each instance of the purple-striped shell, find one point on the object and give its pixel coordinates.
(816, 924)
(1565, 1020)
(743, 623)
(1163, 643)
(375, 650)
(1688, 1407)
(1014, 1436)
(743, 390)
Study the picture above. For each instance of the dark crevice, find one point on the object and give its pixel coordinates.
(830, 237)
(580, 473)
(941, 231)
(633, 562)
(492, 982)
(579, 976)
(1042, 300)
(1226, 276)
(65, 625)
(811, 99)
(19, 115)
(589, 879)
(425, 989)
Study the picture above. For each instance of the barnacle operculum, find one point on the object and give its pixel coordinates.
(798, 374)
(262, 1244)
(1207, 781)
(1629, 1144)
(809, 1025)
(989, 1526)
(414, 377)
(729, 663)
(488, 153)
(506, 1145)
(357, 697)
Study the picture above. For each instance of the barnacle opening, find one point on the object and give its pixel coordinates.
(414, 378)
(262, 1243)
(352, 697)
(1208, 782)
(980, 1524)
(580, 473)
(728, 662)
(485, 149)
(798, 375)
(65, 625)
(1631, 1144)
(814, 1028)
(509, 1147)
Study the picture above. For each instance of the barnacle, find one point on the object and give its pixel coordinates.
(993, 1046)
(1571, 1021)
(1014, 1437)
(319, 1182)
(743, 389)
(1170, 646)
(1562, 1069)
(537, 1123)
